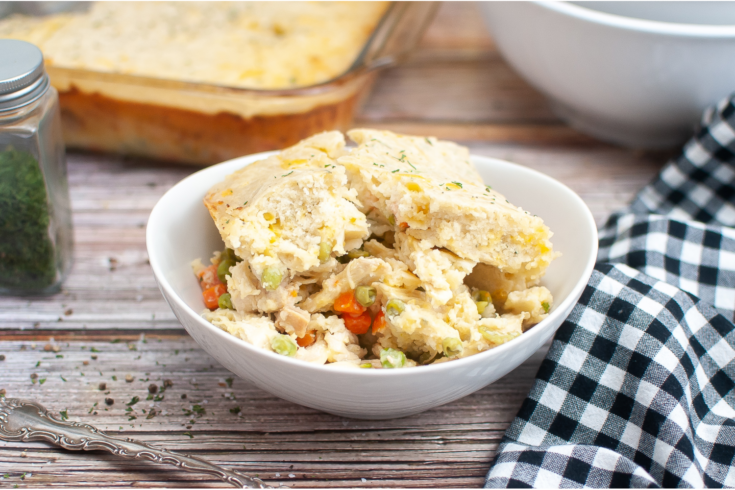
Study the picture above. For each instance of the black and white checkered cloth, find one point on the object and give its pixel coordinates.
(638, 387)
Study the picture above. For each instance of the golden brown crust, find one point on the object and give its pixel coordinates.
(101, 123)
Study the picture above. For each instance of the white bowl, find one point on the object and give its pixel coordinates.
(180, 230)
(633, 73)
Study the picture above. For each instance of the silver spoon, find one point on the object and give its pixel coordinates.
(23, 421)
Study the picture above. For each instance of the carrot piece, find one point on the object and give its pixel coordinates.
(308, 339)
(359, 324)
(208, 277)
(347, 303)
(211, 296)
(379, 322)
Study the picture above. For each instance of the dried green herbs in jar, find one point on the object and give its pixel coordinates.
(27, 257)
(35, 216)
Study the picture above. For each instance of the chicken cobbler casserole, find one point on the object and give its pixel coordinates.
(390, 253)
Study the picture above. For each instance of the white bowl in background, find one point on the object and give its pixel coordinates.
(181, 230)
(633, 73)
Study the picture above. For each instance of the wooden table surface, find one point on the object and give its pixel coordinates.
(110, 321)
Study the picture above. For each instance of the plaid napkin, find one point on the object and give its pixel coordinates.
(637, 388)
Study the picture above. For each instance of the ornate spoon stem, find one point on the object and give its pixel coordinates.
(23, 421)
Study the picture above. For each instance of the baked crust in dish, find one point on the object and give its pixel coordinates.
(255, 45)
(201, 82)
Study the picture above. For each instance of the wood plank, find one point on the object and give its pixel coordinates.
(484, 89)
(450, 445)
(457, 28)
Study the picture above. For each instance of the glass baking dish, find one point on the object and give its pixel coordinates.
(199, 124)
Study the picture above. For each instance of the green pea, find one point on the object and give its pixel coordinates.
(325, 249)
(223, 269)
(284, 345)
(225, 301)
(366, 365)
(365, 295)
(392, 220)
(545, 306)
(481, 305)
(354, 254)
(394, 307)
(481, 296)
(392, 358)
(230, 254)
(272, 277)
(452, 346)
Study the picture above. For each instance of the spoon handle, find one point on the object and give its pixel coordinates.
(23, 421)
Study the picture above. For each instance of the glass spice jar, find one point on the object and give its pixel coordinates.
(35, 214)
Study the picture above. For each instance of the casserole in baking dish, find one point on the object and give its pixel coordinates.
(204, 82)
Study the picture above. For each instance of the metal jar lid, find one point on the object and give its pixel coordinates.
(22, 76)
